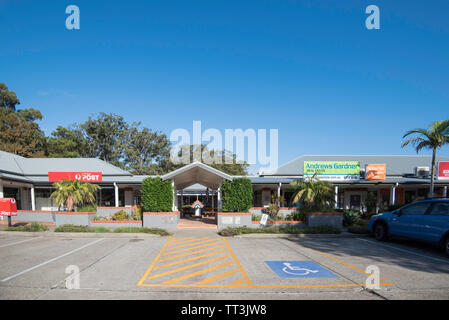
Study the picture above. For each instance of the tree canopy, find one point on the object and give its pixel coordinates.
(8, 99)
(106, 136)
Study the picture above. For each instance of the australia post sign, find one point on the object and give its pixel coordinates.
(81, 176)
(443, 170)
(8, 207)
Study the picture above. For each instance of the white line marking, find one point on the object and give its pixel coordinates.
(405, 250)
(11, 244)
(51, 260)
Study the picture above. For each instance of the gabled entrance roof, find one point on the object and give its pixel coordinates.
(197, 172)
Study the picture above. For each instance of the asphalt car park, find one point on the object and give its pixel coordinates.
(202, 265)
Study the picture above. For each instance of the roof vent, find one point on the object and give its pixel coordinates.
(422, 172)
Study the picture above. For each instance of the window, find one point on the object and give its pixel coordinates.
(440, 209)
(415, 209)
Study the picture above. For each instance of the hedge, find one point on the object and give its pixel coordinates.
(157, 195)
(237, 195)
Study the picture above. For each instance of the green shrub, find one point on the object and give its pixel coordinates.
(33, 227)
(137, 213)
(256, 217)
(157, 195)
(161, 232)
(350, 217)
(87, 208)
(358, 229)
(233, 231)
(120, 216)
(73, 228)
(296, 216)
(237, 195)
(101, 230)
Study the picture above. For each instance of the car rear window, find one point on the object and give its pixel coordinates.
(440, 209)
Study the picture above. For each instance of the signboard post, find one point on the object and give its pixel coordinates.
(333, 170)
(443, 170)
(8, 208)
(263, 220)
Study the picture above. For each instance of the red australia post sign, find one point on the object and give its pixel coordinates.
(8, 207)
(443, 170)
(81, 176)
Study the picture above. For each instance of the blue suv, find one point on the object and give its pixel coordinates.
(426, 220)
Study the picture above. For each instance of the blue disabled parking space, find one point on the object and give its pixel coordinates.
(299, 269)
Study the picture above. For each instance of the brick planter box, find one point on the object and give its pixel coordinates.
(283, 211)
(35, 216)
(316, 219)
(233, 219)
(76, 218)
(164, 220)
(104, 211)
(256, 224)
(116, 224)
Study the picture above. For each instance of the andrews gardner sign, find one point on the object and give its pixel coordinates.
(333, 170)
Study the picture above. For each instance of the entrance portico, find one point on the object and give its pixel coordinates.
(197, 173)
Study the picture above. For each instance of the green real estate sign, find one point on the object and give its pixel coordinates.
(333, 170)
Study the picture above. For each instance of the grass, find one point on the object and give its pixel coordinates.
(361, 227)
(33, 227)
(74, 228)
(161, 232)
(233, 231)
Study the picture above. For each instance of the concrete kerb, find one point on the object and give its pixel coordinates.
(50, 234)
(299, 236)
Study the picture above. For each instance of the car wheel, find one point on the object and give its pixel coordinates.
(446, 246)
(380, 232)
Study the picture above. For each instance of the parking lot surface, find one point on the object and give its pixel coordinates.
(199, 264)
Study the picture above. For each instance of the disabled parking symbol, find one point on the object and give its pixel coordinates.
(299, 269)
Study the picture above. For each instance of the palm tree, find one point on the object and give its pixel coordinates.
(315, 194)
(74, 192)
(432, 138)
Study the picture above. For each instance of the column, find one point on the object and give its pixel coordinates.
(219, 204)
(33, 199)
(279, 194)
(174, 195)
(445, 191)
(116, 194)
(336, 196)
(393, 195)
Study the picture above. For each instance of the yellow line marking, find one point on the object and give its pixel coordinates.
(219, 276)
(238, 264)
(153, 263)
(189, 259)
(201, 246)
(185, 241)
(344, 263)
(179, 239)
(198, 272)
(190, 253)
(189, 244)
(187, 267)
(239, 281)
(257, 286)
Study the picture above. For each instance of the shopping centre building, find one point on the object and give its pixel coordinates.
(391, 180)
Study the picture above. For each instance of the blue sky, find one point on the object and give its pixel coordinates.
(308, 68)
